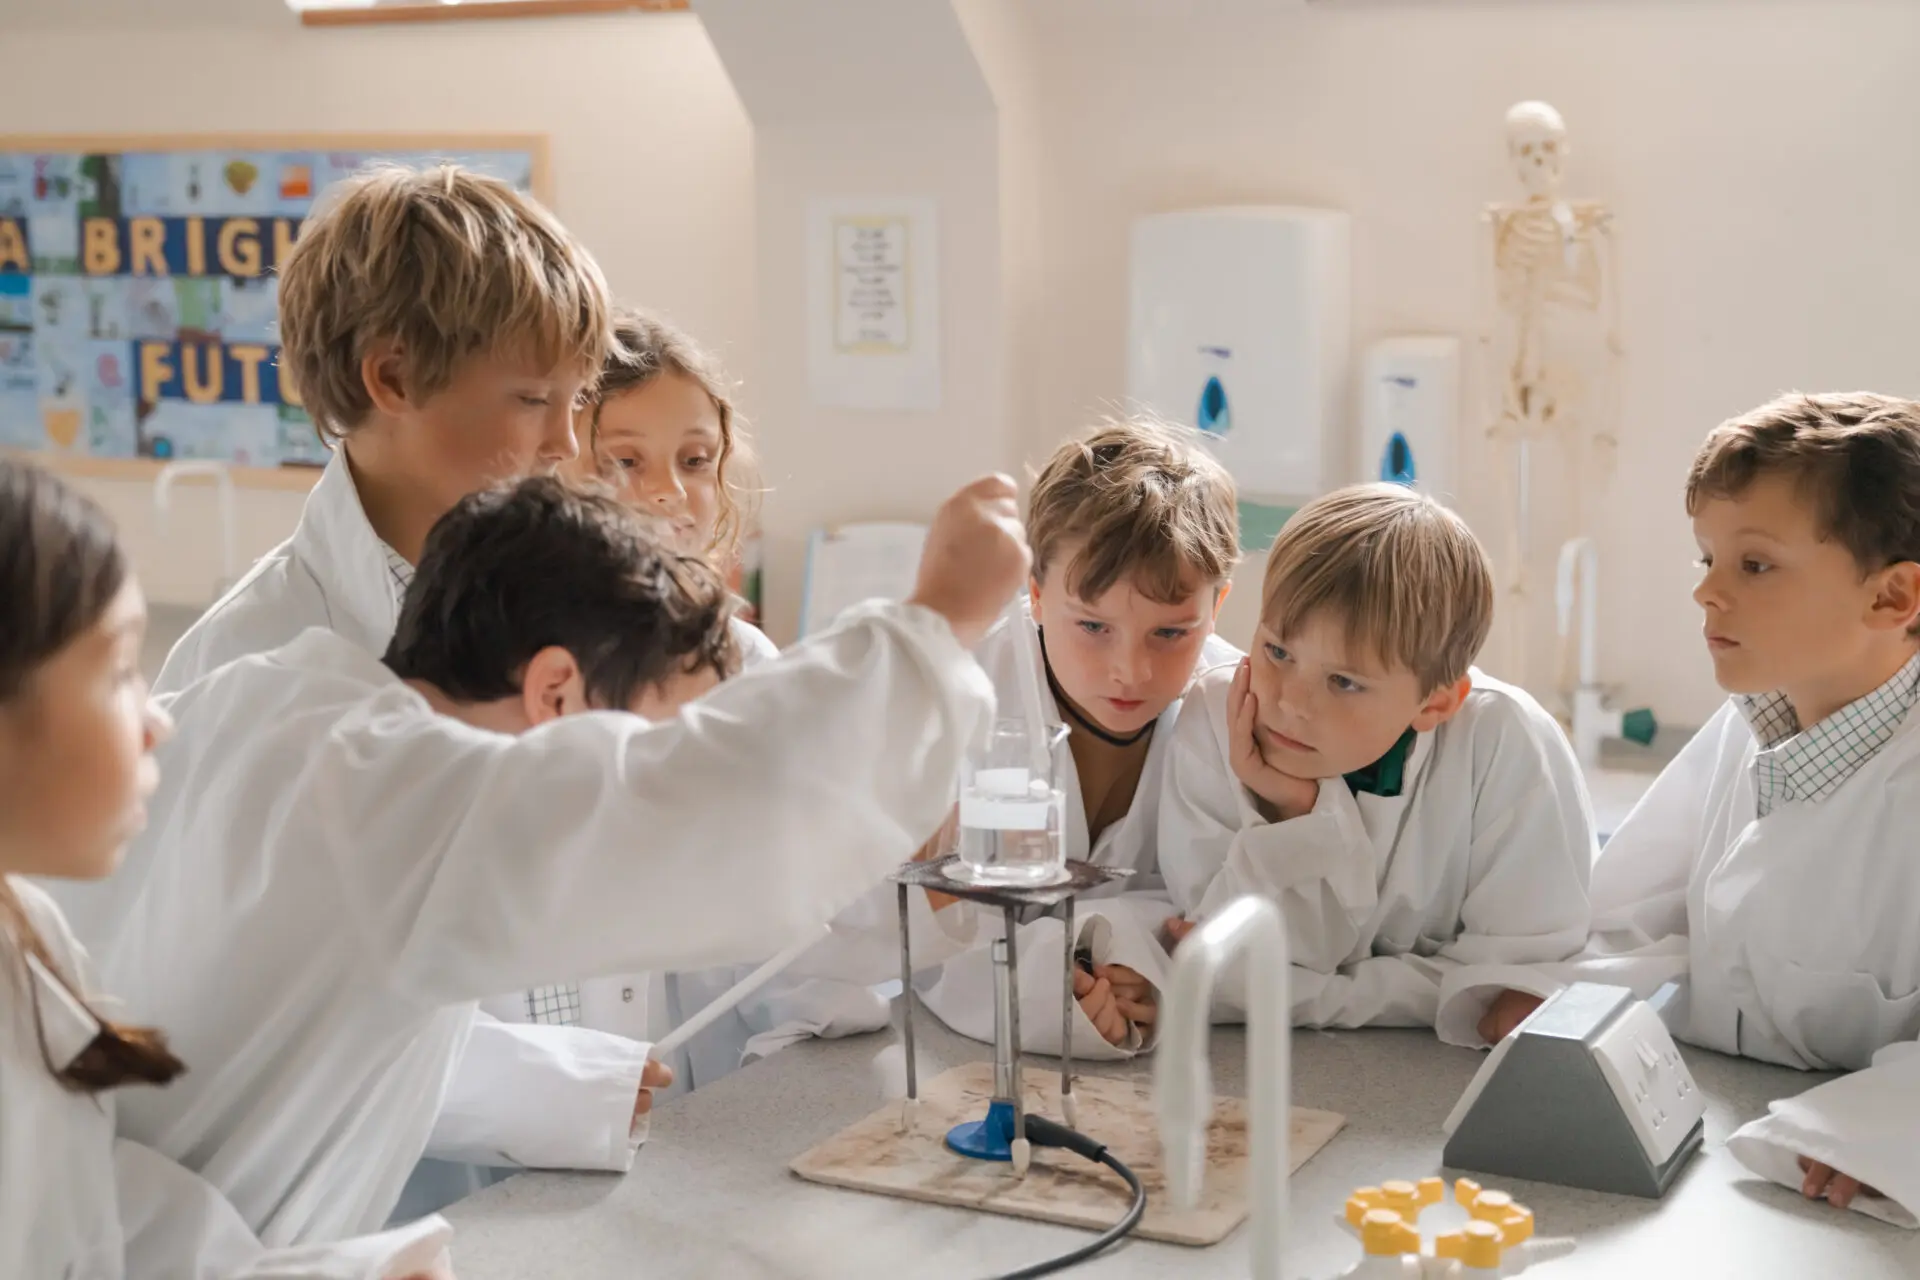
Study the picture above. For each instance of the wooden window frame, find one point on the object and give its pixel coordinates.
(481, 9)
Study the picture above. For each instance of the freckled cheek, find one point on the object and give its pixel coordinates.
(1077, 664)
(1268, 687)
(703, 503)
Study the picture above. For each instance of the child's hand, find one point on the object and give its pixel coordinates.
(1828, 1183)
(442, 1269)
(1131, 991)
(1177, 929)
(1097, 1001)
(1509, 1010)
(975, 558)
(1285, 796)
(654, 1075)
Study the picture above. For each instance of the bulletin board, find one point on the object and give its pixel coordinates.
(138, 291)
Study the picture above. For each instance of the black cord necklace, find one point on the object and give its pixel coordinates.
(1073, 713)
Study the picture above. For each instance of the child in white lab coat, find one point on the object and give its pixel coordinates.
(661, 428)
(1408, 814)
(440, 327)
(76, 737)
(1135, 532)
(1773, 861)
(363, 849)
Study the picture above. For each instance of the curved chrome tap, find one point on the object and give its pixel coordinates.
(1183, 1083)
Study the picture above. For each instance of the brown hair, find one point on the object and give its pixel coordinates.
(1854, 457)
(646, 347)
(61, 566)
(515, 569)
(1403, 574)
(447, 264)
(1141, 500)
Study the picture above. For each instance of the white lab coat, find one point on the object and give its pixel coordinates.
(791, 1007)
(802, 1002)
(333, 573)
(1118, 922)
(79, 1204)
(335, 875)
(1482, 858)
(1799, 936)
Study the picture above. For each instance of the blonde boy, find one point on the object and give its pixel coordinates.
(1773, 862)
(439, 327)
(1409, 814)
(1135, 531)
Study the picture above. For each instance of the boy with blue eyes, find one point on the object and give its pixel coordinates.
(1135, 532)
(1409, 815)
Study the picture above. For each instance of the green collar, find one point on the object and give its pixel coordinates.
(1384, 776)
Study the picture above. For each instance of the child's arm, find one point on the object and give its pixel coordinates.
(1638, 894)
(1214, 845)
(718, 837)
(175, 1224)
(1528, 866)
(587, 1084)
(1524, 857)
(1113, 932)
(1863, 1130)
(1640, 880)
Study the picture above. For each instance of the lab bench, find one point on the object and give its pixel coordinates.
(710, 1195)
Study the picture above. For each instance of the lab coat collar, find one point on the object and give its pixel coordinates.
(337, 542)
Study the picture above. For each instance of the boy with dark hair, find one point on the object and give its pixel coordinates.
(1772, 862)
(347, 854)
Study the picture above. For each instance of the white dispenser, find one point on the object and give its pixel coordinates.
(1410, 413)
(1241, 328)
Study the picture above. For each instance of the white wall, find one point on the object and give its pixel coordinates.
(1758, 153)
(652, 155)
(875, 98)
(1760, 157)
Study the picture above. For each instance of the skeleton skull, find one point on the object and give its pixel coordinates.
(1537, 145)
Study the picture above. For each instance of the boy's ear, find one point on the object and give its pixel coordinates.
(380, 374)
(1896, 600)
(552, 686)
(1442, 704)
(1033, 598)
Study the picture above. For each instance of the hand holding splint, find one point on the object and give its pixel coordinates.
(653, 1075)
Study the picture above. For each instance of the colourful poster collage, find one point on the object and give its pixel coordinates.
(138, 295)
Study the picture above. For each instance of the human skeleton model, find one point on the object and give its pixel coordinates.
(1552, 351)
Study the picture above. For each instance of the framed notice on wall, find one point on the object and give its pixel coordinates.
(873, 303)
(138, 290)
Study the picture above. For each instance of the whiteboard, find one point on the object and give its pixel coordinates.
(857, 562)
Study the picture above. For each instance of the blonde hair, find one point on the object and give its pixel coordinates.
(1145, 502)
(1403, 575)
(645, 348)
(448, 265)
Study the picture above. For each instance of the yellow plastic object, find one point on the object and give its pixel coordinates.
(1514, 1220)
(1405, 1198)
(1478, 1245)
(1385, 1234)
